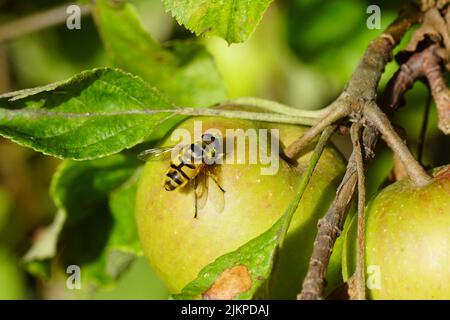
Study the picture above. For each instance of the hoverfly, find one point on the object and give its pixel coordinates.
(191, 164)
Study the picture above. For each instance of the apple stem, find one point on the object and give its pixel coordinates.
(304, 181)
(360, 280)
(379, 120)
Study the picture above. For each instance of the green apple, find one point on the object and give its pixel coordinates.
(407, 241)
(179, 246)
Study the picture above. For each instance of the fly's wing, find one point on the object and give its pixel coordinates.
(201, 190)
(207, 190)
(216, 194)
(159, 154)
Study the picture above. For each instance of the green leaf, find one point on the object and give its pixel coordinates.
(184, 71)
(250, 265)
(233, 20)
(91, 115)
(95, 226)
(101, 112)
(245, 273)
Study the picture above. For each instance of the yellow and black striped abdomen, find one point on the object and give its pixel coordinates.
(182, 169)
(188, 164)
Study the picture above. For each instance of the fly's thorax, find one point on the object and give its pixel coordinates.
(213, 148)
(189, 161)
(198, 153)
(188, 155)
(209, 152)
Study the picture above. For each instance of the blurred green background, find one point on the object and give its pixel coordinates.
(301, 54)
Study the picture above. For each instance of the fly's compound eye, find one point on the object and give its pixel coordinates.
(213, 140)
(197, 153)
(208, 137)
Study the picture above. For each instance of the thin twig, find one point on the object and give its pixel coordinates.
(423, 129)
(274, 106)
(360, 280)
(337, 112)
(399, 172)
(378, 119)
(37, 21)
(10, 114)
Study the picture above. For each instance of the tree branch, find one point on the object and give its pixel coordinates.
(331, 225)
(361, 89)
(363, 84)
(379, 120)
(360, 280)
(37, 21)
(338, 111)
(423, 129)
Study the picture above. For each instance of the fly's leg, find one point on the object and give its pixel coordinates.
(195, 182)
(199, 191)
(214, 178)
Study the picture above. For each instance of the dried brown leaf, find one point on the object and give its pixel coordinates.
(230, 284)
